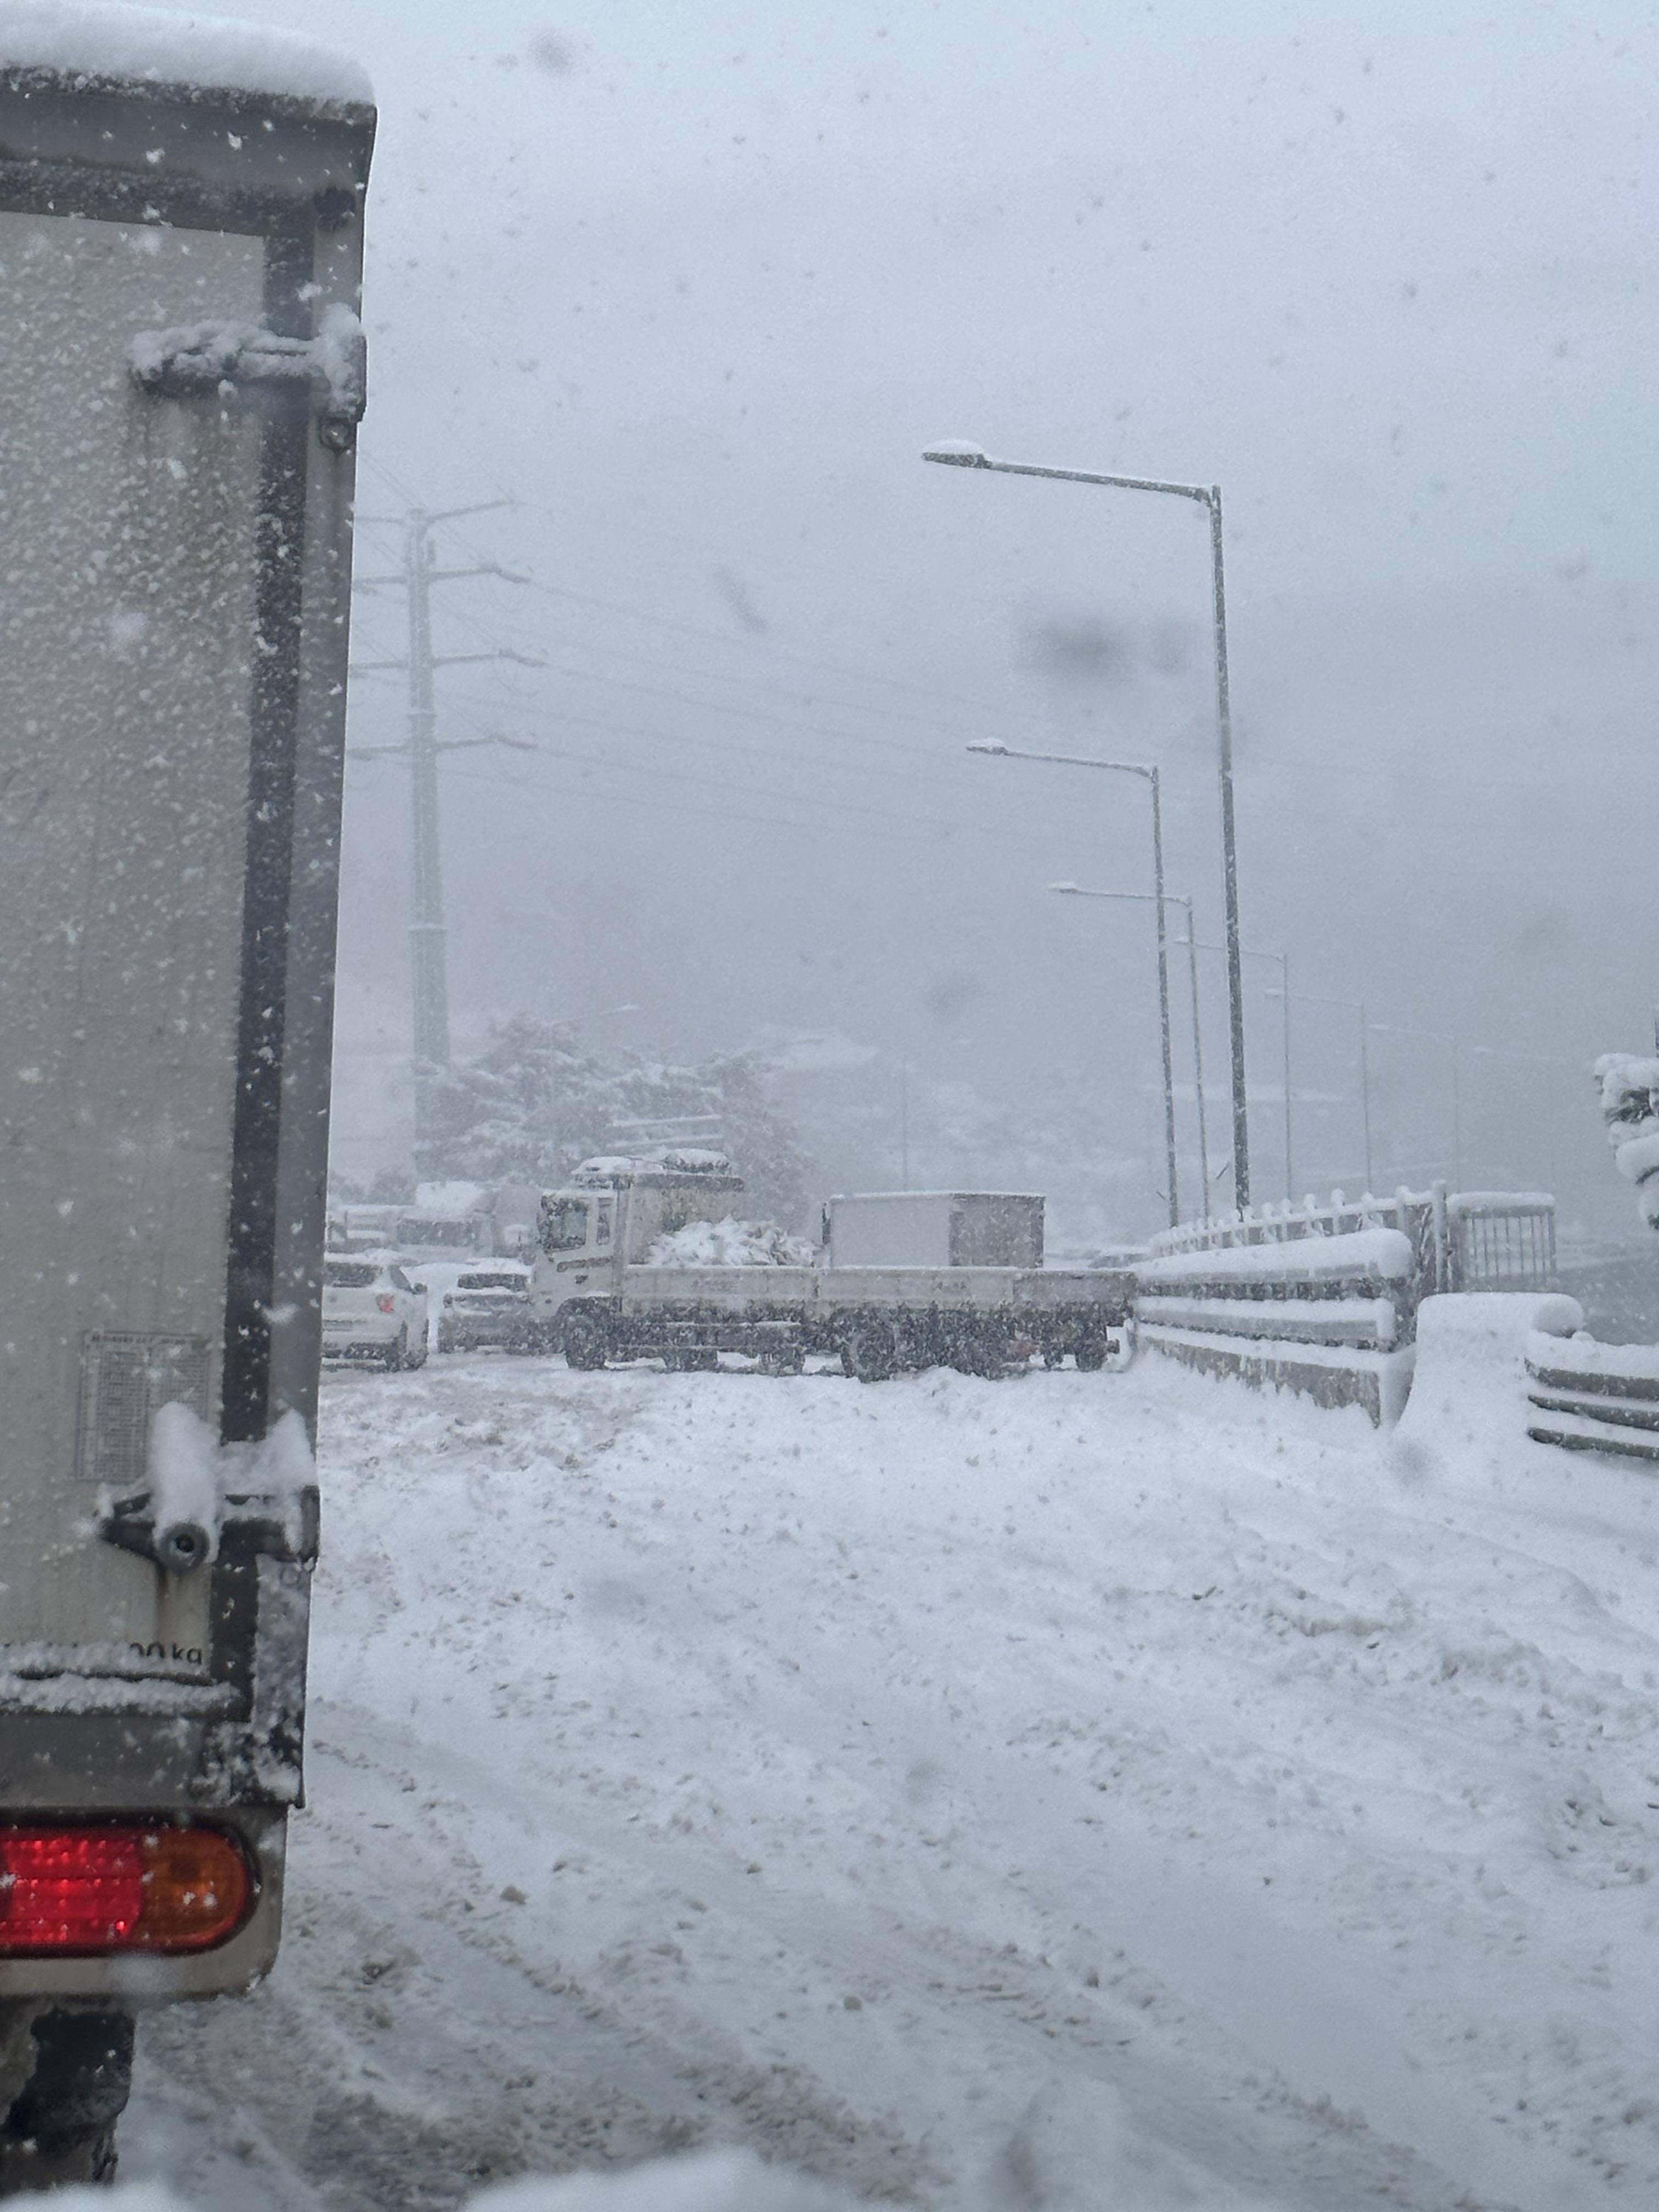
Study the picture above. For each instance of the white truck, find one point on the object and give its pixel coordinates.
(181, 225)
(595, 1298)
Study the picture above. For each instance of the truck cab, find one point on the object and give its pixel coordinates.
(608, 1218)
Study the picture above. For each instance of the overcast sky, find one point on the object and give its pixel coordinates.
(693, 284)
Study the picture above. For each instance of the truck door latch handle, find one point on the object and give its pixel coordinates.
(197, 359)
(249, 1527)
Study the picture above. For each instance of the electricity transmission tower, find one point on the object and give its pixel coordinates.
(429, 937)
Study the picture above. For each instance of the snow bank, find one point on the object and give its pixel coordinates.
(82, 38)
(707, 2181)
(1096, 1736)
(1467, 1415)
(730, 1243)
(711, 2181)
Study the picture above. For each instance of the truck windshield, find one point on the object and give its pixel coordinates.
(564, 1226)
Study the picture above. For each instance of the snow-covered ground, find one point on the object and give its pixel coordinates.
(1079, 1790)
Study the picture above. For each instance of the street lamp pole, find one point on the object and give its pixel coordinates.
(1282, 962)
(1150, 777)
(1173, 898)
(1209, 498)
(1354, 1006)
(1454, 1045)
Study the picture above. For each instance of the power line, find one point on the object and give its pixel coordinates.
(665, 622)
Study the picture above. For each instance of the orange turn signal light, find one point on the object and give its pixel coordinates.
(80, 1892)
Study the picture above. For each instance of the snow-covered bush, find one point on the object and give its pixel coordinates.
(1630, 1107)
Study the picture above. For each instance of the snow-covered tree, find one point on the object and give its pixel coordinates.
(1630, 1107)
(535, 1101)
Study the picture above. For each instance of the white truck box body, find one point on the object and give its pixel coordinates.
(934, 1229)
(173, 651)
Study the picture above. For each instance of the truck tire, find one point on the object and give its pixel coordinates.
(62, 2128)
(972, 1353)
(1093, 1352)
(585, 1341)
(870, 1351)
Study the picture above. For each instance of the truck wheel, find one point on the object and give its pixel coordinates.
(62, 2128)
(972, 1354)
(870, 1352)
(1093, 1352)
(583, 1342)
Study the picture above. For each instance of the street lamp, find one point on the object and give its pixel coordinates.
(1454, 1045)
(1173, 898)
(1282, 961)
(1354, 1006)
(1149, 776)
(954, 455)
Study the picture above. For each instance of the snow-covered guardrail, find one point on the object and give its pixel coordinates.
(1588, 1396)
(1323, 1300)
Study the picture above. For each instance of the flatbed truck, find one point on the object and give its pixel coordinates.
(595, 1298)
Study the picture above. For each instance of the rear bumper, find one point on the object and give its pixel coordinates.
(481, 1335)
(360, 1345)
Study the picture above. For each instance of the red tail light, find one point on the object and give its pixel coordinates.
(76, 1892)
(386, 1301)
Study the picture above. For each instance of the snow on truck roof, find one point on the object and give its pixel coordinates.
(152, 45)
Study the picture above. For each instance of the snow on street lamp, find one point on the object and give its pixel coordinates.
(1149, 776)
(1172, 898)
(952, 453)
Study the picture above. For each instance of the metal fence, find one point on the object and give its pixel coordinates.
(1301, 1298)
(1461, 1241)
(1501, 1241)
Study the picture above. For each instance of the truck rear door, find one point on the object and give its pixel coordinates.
(179, 381)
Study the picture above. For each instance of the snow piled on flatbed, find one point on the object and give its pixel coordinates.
(1080, 1791)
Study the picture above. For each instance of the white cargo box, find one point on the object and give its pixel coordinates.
(934, 1229)
(180, 235)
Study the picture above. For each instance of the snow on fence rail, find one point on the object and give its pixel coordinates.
(1324, 1300)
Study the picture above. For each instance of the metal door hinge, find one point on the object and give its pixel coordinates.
(195, 360)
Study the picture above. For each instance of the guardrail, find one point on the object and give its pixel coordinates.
(1323, 1300)
(1586, 1396)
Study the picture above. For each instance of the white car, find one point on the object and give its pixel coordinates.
(371, 1310)
(489, 1304)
